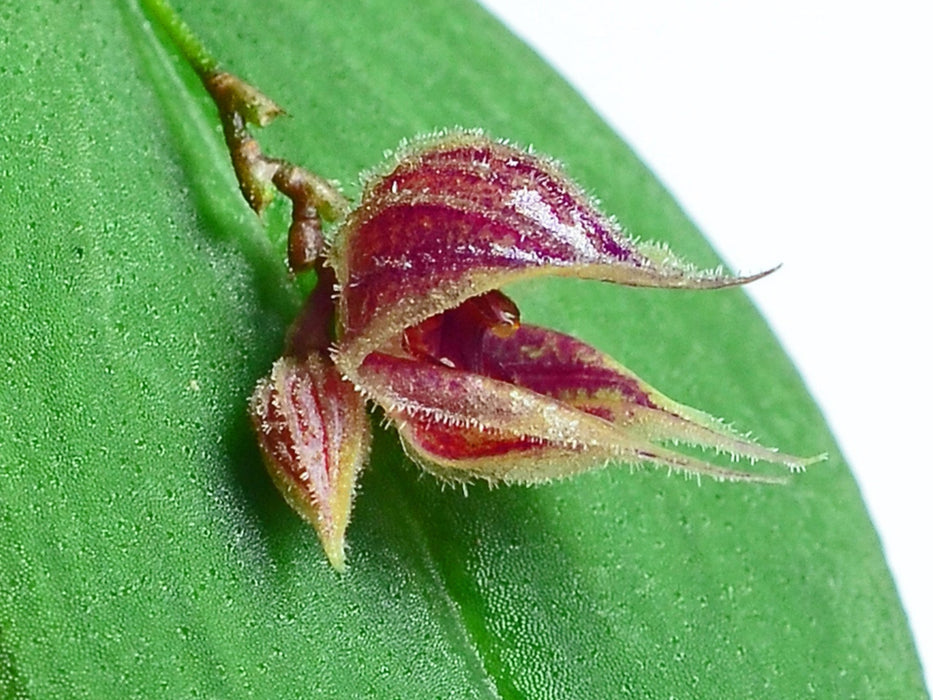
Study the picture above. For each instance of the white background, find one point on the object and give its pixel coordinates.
(797, 132)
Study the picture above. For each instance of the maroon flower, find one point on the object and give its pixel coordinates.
(420, 328)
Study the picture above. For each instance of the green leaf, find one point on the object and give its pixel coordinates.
(146, 554)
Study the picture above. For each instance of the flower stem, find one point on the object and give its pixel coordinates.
(187, 42)
(239, 105)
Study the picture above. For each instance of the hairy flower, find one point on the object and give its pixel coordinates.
(409, 314)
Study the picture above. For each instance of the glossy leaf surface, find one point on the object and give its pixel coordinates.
(145, 552)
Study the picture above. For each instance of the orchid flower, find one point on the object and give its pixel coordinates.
(409, 315)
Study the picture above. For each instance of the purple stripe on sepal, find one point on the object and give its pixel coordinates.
(460, 215)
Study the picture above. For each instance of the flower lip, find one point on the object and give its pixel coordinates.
(455, 338)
